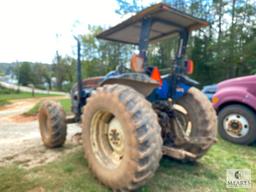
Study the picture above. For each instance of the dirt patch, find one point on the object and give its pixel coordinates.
(37, 189)
(77, 138)
(5, 107)
(27, 149)
(23, 118)
(37, 156)
(20, 141)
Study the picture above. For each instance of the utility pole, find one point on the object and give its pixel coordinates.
(18, 78)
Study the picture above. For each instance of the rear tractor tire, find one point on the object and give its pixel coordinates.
(121, 136)
(201, 122)
(189, 127)
(52, 124)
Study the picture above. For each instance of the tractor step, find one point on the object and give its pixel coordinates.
(177, 153)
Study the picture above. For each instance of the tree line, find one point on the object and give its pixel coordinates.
(46, 76)
(224, 49)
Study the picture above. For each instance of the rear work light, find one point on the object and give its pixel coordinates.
(189, 64)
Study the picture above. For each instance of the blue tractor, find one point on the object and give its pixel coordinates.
(131, 117)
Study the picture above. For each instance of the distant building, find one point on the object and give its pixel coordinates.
(9, 79)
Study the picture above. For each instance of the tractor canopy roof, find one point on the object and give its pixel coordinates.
(166, 21)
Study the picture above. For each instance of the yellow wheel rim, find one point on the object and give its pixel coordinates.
(107, 139)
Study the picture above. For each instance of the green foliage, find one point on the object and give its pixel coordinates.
(99, 56)
(24, 73)
(62, 70)
(6, 68)
(223, 50)
(127, 7)
(42, 74)
(163, 53)
(33, 73)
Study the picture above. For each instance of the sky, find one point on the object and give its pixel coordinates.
(29, 28)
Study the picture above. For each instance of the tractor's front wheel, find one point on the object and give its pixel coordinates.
(52, 124)
(122, 137)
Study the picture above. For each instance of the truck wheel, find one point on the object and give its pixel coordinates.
(199, 120)
(122, 137)
(237, 123)
(52, 124)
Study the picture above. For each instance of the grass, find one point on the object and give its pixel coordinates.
(8, 94)
(4, 102)
(66, 104)
(22, 95)
(71, 173)
(33, 111)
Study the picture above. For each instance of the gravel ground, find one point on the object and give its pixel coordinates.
(20, 141)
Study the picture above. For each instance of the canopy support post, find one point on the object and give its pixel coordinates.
(144, 38)
(179, 61)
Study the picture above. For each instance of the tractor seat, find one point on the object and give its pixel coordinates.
(137, 64)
